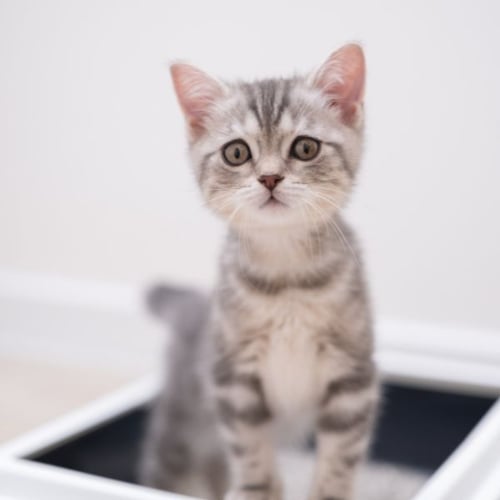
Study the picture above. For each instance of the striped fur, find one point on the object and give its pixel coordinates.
(288, 346)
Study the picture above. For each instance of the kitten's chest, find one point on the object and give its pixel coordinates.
(291, 366)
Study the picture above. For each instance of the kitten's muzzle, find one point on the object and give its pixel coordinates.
(270, 181)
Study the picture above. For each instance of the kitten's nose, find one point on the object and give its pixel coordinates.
(270, 181)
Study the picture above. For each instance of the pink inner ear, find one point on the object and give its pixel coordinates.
(196, 92)
(342, 79)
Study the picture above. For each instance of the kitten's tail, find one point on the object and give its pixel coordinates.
(181, 452)
(184, 309)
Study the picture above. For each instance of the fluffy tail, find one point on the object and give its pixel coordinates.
(181, 452)
(185, 309)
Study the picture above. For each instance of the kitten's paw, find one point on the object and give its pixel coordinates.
(257, 493)
(327, 496)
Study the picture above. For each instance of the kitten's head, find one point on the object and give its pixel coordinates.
(279, 152)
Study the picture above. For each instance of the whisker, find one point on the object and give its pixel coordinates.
(338, 230)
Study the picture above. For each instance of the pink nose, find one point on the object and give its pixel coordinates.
(270, 181)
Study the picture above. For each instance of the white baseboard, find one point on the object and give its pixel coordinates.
(442, 356)
(46, 288)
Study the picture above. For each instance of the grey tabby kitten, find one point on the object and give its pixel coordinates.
(287, 345)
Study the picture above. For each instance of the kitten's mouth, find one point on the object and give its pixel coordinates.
(272, 202)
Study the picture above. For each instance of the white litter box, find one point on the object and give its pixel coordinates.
(92, 453)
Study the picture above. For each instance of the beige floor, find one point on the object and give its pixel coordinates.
(33, 392)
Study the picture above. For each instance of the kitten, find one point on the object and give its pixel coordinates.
(288, 344)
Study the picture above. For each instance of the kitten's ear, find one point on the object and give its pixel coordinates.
(196, 92)
(342, 80)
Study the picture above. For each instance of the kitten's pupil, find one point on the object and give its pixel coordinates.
(237, 153)
(305, 148)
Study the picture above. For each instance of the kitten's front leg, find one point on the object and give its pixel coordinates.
(245, 422)
(343, 433)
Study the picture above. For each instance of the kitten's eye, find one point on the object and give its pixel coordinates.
(304, 148)
(236, 153)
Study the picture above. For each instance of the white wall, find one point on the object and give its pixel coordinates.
(93, 176)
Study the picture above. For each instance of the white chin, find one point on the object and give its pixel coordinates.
(274, 213)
